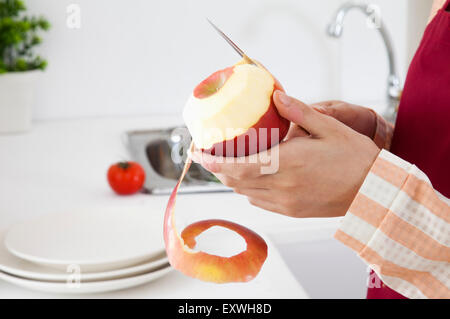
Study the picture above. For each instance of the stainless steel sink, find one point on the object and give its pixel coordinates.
(162, 153)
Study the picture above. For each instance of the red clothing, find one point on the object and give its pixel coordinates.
(422, 130)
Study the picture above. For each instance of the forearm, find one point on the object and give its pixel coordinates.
(399, 225)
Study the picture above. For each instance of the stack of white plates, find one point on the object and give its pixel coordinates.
(85, 251)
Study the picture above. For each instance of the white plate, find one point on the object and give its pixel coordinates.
(96, 239)
(22, 268)
(88, 287)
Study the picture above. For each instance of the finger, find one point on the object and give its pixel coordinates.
(236, 167)
(249, 183)
(296, 131)
(324, 105)
(256, 193)
(360, 119)
(301, 114)
(267, 205)
(336, 109)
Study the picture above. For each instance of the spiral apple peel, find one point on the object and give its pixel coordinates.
(207, 267)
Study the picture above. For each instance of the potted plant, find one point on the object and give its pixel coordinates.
(19, 64)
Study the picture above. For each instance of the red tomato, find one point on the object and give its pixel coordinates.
(126, 177)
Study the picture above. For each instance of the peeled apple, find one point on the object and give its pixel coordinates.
(225, 115)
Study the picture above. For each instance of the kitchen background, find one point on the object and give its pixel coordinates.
(135, 63)
(142, 57)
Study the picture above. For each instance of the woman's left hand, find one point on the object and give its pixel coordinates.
(318, 175)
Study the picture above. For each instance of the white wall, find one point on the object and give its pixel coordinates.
(418, 15)
(363, 59)
(144, 57)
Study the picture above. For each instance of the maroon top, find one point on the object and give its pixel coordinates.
(422, 130)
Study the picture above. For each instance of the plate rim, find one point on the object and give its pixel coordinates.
(122, 262)
(149, 265)
(86, 287)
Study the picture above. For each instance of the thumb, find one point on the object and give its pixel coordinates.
(301, 114)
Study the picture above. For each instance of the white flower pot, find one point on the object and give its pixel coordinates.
(16, 98)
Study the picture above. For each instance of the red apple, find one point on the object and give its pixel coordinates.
(232, 113)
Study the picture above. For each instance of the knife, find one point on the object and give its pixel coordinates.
(233, 45)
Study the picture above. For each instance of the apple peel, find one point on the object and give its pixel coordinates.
(242, 267)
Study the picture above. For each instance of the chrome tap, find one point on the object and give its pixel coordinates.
(394, 88)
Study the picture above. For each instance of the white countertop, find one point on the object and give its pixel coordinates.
(61, 164)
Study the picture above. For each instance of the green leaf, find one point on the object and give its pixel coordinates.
(19, 34)
(35, 40)
(44, 24)
(42, 66)
(21, 65)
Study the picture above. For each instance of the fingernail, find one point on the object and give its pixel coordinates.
(321, 109)
(284, 98)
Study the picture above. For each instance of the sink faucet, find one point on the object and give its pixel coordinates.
(394, 89)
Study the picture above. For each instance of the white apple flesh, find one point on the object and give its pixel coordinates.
(231, 113)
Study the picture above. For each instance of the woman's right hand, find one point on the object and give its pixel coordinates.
(359, 118)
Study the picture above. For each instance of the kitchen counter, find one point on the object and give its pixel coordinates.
(62, 164)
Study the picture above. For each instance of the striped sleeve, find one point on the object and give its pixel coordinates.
(400, 226)
(383, 132)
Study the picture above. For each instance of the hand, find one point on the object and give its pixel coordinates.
(318, 175)
(359, 118)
